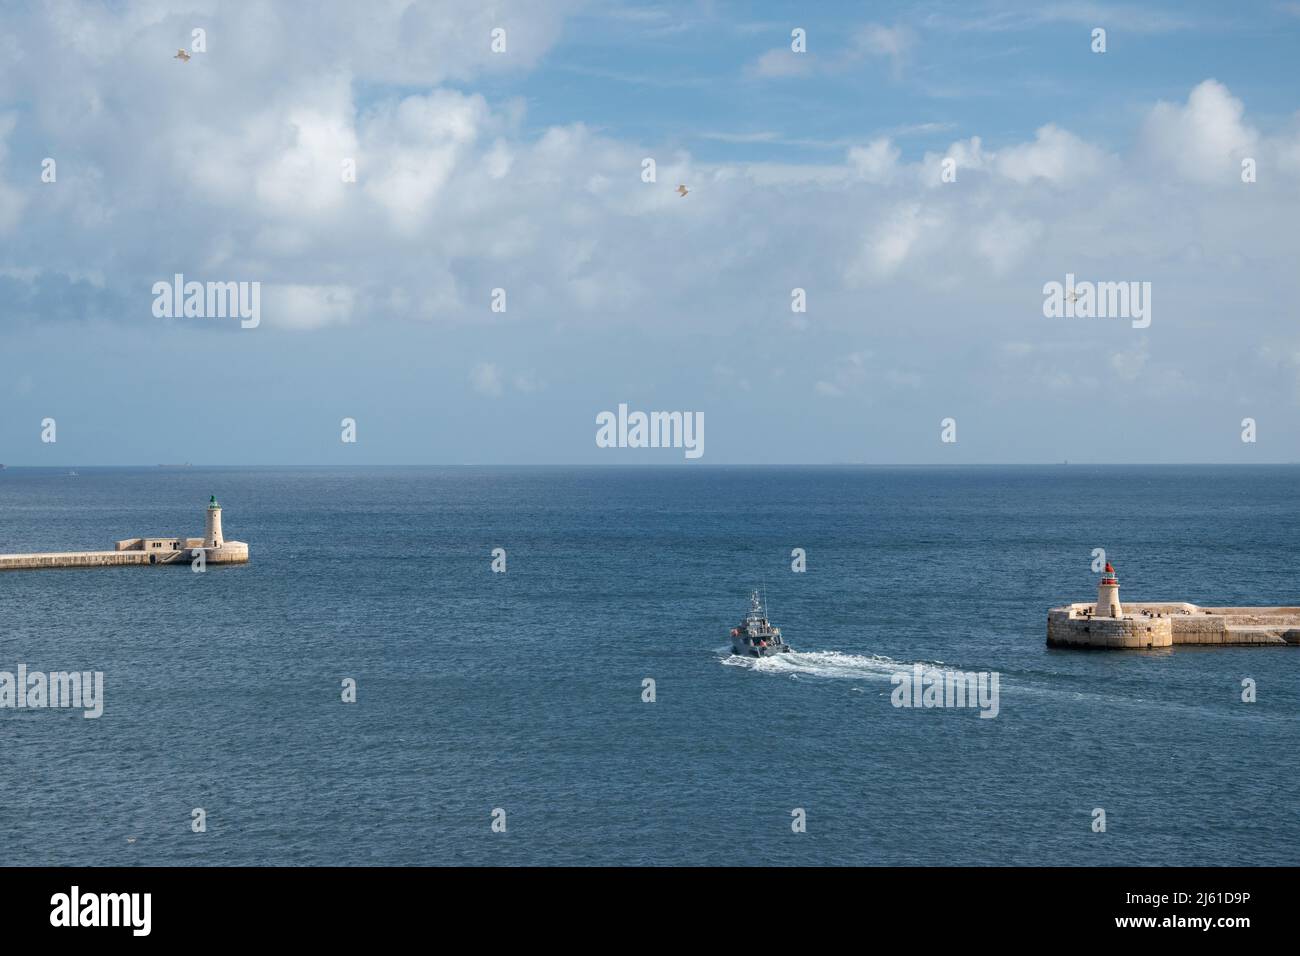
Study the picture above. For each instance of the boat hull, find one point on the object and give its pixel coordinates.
(745, 650)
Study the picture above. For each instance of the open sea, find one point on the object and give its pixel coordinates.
(523, 691)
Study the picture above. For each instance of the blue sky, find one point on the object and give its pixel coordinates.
(522, 170)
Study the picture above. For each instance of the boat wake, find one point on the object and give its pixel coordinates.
(831, 664)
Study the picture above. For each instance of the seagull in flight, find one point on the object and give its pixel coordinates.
(182, 56)
(682, 191)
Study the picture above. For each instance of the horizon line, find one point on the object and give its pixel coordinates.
(685, 465)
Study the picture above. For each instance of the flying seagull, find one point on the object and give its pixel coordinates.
(682, 190)
(182, 56)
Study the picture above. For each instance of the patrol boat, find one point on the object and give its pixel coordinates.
(755, 636)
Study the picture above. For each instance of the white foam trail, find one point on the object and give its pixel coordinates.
(833, 664)
(820, 664)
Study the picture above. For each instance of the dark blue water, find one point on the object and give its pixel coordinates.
(523, 690)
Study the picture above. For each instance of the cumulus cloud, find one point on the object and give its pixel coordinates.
(1055, 155)
(453, 199)
(875, 162)
(281, 158)
(1005, 240)
(967, 154)
(411, 149)
(1203, 140)
(898, 235)
(456, 195)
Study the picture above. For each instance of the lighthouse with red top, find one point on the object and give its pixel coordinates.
(1108, 595)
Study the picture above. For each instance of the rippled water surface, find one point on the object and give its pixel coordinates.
(523, 690)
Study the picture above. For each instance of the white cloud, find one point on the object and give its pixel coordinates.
(1203, 140)
(872, 40)
(967, 155)
(304, 174)
(895, 238)
(456, 195)
(1288, 154)
(876, 161)
(411, 150)
(306, 306)
(781, 62)
(1055, 155)
(885, 41)
(1005, 240)
(894, 43)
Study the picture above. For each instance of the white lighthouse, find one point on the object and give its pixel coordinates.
(1107, 592)
(212, 530)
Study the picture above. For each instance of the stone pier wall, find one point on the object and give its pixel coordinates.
(1066, 630)
(1200, 629)
(71, 559)
(1168, 624)
(234, 552)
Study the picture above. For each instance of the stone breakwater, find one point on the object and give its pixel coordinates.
(232, 552)
(212, 548)
(71, 559)
(1167, 624)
